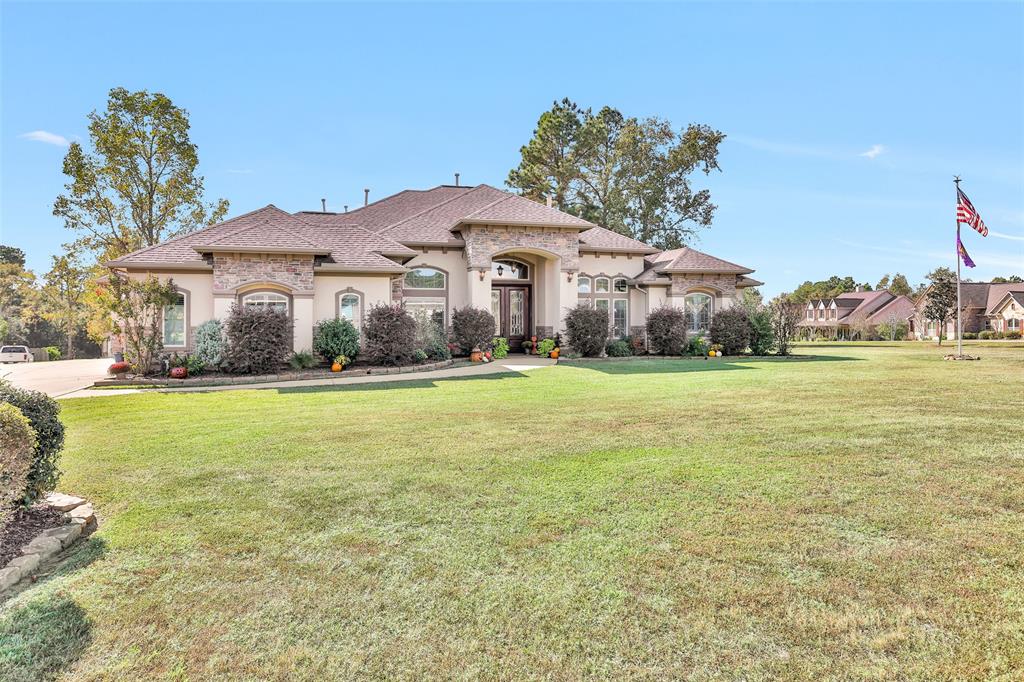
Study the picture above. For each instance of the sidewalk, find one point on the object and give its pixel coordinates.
(517, 363)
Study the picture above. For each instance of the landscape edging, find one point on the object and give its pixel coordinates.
(51, 542)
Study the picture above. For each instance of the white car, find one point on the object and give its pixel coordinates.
(15, 354)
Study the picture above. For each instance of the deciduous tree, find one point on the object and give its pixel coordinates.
(940, 304)
(136, 309)
(62, 298)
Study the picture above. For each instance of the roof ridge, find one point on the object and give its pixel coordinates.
(506, 197)
(430, 208)
(193, 233)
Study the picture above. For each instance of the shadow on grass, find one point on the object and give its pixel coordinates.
(400, 383)
(656, 365)
(46, 633)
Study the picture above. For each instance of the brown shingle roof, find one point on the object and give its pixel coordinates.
(687, 260)
(272, 229)
(997, 292)
(901, 307)
(602, 239)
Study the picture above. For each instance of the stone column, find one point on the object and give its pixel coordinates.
(302, 313)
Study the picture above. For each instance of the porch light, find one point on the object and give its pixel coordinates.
(569, 276)
(501, 270)
(482, 275)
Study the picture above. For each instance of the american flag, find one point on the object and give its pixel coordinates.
(965, 213)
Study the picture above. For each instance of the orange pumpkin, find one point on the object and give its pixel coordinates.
(336, 367)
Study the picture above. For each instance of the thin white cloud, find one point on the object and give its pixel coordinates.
(874, 152)
(1003, 235)
(784, 148)
(47, 137)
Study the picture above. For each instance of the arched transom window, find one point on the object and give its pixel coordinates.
(583, 284)
(266, 299)
(699, 309)
(509, 269)
(425, 278)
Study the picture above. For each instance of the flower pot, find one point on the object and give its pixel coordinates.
(475, 355)
(179, 372)
(336, 367)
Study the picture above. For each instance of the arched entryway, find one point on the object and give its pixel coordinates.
(512, 298)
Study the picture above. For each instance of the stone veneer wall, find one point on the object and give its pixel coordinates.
(483, 241)
(232, 270)
(396, 289)
(724, 284)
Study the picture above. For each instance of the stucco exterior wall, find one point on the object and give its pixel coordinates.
(374, 289)
(611, 265)
(198, 290)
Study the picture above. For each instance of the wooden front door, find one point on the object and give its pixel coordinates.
(510, 305)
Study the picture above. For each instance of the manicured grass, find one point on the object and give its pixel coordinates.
(858, 516)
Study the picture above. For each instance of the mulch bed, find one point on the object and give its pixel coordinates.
(24, 525)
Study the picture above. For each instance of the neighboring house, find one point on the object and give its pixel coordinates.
(434, 250)
(984, 307)
(856, 315)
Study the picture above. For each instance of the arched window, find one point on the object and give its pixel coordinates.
(699, 309)
(509, 269)
(266, 299)
(174, 322)
(350, 308)
(583, 285)
(619, 285)
(425, 278)
(601, 285)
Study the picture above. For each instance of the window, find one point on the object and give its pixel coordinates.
(509, 269)
(601, 285)
(583, 285)
(620, 286)
(810, 313)
(174, 322)
(602, 304)
(619, 325)
(425, 278)
(349, 309)
(699, 308)
(430, 306)
(266, 299)
(1013, 325)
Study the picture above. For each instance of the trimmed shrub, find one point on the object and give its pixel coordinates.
(762, 336)
(666, 331)
(332, 338)
(618, 349)
(17, 443)
(499, 347)
(389, 335)
(209, 343)
(586, 329)
(419, 355)
(302, 359)
(545, 347)
(430, 337)
(987, 334)
(52, 353)
(259, 339)
(1011, 335)
(970, 335)
(119, 368)
(42, 413)
(472, 327)
(731, 329)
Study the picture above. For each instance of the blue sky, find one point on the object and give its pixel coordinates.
(846, 122)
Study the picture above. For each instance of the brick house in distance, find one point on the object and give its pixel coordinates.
(856, 315)
(985, 306)
(432, 250)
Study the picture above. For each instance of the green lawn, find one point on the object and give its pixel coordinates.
(855, 516)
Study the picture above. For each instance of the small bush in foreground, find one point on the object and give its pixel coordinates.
(472, 328)
(209, 343)
(332, 338)
(586, 330)
(970, 336)
(731, 329)
(259, 339)
(17, 442)
(666, 331)
(389, 335)
(618, 349)
(762, 336)
(42, 413)
(119, 368)
(499, 347)
(302, 359)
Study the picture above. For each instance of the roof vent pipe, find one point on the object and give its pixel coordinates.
(323, 205)
(456, 179)
(551, 201)
(346, 208)
(366, 197)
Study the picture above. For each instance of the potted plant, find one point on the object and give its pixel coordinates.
(339, 363)
(119, 370)
(527, 346)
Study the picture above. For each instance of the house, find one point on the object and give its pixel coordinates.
(433, 250)
(985, 306)
(856, 314)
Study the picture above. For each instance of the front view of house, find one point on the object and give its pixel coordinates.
(433, 250)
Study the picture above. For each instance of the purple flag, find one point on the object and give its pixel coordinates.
(963, 252)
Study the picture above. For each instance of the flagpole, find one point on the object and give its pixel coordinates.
(959, 335)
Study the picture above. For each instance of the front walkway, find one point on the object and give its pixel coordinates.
(513, 363)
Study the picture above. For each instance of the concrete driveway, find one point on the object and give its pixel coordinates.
(55, 378)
